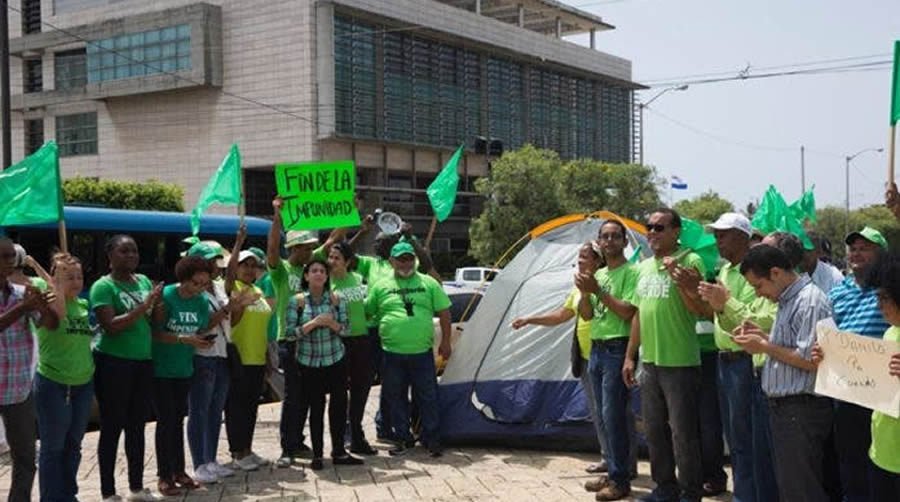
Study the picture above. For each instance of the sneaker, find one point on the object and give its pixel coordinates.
(262, 462)
(347, 460)
(205, 475)
(144, 495)
(112, 498)
(613, 491)
(398, 450)
(246, 464)
(284, 461)
(595, 485)
(220, 470)
(598, 468)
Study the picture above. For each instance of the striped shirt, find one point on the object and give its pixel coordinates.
(16, 349)
(800, 306)
(320, 347)
(856, 309)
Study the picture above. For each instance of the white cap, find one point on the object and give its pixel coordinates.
(247, 254)
(731, 220)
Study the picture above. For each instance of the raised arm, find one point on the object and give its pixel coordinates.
(273, 242)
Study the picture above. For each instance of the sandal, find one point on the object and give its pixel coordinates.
(185, 481)
(167, 488)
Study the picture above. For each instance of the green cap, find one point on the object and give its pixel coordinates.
(869, 234)
(259, 253)
(402, 248)
(205, 250)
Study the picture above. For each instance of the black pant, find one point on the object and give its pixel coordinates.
(318, 382)
(170, 401)
(884, 486)
(800, 424)
(670, 408)
(359, 361)
(294, 408)
(123, 390)
(712, 446)
(852, 437)
(20, 420)
(243, 401)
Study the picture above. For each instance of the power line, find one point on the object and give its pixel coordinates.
(850, 68)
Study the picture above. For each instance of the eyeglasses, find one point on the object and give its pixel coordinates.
(655, 227)
(609, 237)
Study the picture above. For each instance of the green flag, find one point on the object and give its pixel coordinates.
(804, 208)
(442, 191)
(774, 215)
(29, 190)
(224, 187)
(694, 237)
(895, 86)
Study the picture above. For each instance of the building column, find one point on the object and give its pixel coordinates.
(558, 27)
(521, 9)
(478, 7)
(593, 38)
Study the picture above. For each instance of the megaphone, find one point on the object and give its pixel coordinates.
(388, 222)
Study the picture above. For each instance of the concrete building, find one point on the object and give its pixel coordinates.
(159, 89)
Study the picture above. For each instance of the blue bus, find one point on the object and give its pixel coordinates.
(159, 236)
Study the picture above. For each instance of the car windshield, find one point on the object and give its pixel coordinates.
(471, 275)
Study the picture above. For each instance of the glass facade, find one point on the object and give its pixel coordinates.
(137, 54)
(401, 86)
(77, 134)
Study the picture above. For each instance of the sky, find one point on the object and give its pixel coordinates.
(738, 137)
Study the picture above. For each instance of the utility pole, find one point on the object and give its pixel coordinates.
(802, 170)
(5, 121)
(641, 107)
(847, 160)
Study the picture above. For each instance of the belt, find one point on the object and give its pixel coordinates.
(733, 355)
(623, 340)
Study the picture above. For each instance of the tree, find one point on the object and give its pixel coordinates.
(529, 186)
(832, 221)
(149, 195)
(704, 208)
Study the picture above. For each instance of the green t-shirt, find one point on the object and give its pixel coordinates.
(620, 282)
(373, 269)
(133, 342)
(264, 283)
(743, 304)
(286, 282)
(184, 316)
(885, 449)
(405, 309)
(351, 289)
(249, 335)
(583, 326)
(668, 329)
(64, 354)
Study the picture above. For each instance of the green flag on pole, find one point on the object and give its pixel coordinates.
(774, 215)
(29, 190)
(804, 208)
(695, 238)
(895, 86)
(442, 191)
(224, 187)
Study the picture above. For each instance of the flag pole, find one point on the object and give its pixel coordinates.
(61, 223)
(242, 206)
(430, 231)
(891, 155)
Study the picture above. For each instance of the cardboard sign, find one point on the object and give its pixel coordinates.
(317, 195)
(855, 369)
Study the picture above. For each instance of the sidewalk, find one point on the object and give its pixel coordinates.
(462, 474)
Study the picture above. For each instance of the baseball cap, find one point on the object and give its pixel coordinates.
(402, 248)
(297, 237)
(730, 221)
(209, 250)
(869, 234)
(260, 254)
(247, 254)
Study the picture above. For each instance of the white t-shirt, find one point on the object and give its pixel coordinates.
(223, 330)
(826, 276)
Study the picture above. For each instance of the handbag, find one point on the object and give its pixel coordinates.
(575, 354)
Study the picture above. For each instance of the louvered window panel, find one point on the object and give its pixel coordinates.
(615, 123)
(354, 77)
(31, 16)
(506, 106)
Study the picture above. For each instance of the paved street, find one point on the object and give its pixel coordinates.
(462, 474)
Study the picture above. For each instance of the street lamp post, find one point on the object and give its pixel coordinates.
(641, 107)
(847, 160)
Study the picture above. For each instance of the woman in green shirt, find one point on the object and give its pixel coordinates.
(180, 321)
(122, 301)
(318, 319)
(350, 289)
(63, 387)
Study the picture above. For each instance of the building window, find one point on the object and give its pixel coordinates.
(138, 54)
(33, 76)
(31, 16)
(34, 135)
(69, 69)
(77, 134)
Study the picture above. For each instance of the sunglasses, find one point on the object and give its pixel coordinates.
(655, 227)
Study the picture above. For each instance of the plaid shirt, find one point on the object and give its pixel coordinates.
(320, 347)
(16, 349)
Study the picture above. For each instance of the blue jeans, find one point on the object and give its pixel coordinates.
(206, 401)
(763, 461)
(63, 413)
(417, 370)
(736, 394)
(605, 368)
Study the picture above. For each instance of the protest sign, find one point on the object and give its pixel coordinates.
(317, 195)
(855, 369)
